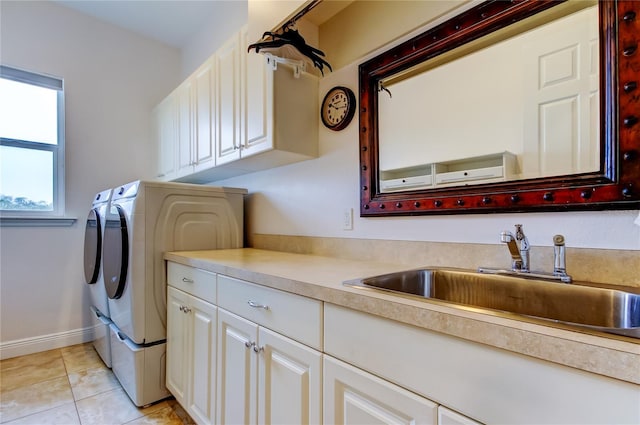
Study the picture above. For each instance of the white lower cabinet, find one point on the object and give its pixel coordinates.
(238, 370)
(243, 353)
(352, 396)
(191, 354)
(449, 417)
(224, 364)
(265, 377)
(191, 340)
(485, 383)
(177, 330)
(289, 381)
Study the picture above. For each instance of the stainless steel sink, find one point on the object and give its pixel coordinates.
(596, 308)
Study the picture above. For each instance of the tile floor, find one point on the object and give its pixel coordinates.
(71, 385)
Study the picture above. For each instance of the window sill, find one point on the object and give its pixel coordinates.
(37, 221)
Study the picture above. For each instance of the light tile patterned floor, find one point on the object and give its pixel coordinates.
(72, 385)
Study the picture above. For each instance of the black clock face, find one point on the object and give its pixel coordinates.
(338, 108)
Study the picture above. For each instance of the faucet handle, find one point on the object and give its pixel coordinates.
(559, 259)
(506, 236)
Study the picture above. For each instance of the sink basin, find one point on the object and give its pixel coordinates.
(592, 307)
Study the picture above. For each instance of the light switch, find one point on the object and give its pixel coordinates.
(347, 219)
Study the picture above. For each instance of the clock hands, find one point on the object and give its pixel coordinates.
(336, 106)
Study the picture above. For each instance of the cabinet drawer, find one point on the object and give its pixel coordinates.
(406, 183)
(470, 175)
(297, 317)
(199, 283)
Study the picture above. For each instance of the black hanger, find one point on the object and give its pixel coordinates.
(289, 36)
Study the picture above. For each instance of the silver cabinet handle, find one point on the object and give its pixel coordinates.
(185, 309)
(257, 305)
(249, 344)
(187, 280)
(258, 349)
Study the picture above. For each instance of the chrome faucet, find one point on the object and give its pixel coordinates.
(518, 245)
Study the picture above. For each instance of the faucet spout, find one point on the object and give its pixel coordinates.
(516, 259)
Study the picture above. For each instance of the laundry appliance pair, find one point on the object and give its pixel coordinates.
(144, 220)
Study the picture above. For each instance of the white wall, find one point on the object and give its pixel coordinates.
(308, 199)
(209, 38)
(112, 79)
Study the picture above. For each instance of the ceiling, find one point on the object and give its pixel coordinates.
(173, 22)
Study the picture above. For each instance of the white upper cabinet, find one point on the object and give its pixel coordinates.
(196, 145)
(228, 101)
(185, 127)
(258, 92)
(204, 125)
(237, 114)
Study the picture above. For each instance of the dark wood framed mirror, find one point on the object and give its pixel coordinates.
(612, 183)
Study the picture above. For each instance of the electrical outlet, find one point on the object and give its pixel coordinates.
(347, 219)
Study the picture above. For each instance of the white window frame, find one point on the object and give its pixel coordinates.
(55, 216)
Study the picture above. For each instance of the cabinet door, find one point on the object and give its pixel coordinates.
(352, 396)
(237, 370)
(228, 77)
(289, 381)
(177, 342)
(449, 417)
(258, 110)
(185, 131)
(202, 361)
(165, 116)
(204, 103)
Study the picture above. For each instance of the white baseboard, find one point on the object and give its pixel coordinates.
(21, 347)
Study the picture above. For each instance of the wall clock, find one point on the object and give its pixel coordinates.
(338, 108)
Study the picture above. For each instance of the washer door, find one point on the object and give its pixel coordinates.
(116, 252)
(92, 246)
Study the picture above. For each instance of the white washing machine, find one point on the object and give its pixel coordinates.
(145, 220)
(93, 272)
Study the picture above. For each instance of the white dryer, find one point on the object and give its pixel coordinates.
(93, 272)
(145, 220)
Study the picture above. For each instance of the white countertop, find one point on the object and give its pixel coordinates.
(321, 278)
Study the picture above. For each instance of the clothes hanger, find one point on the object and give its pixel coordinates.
(272, 40)
(289, 36)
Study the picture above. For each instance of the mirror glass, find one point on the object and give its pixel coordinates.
(520, 103)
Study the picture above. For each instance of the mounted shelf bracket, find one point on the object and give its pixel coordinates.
(298, 66)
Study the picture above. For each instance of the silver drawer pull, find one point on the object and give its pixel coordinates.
(187, 280)
(249, 344)
(258, 349)
(256, 305)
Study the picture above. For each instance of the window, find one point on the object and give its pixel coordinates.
(31, 144)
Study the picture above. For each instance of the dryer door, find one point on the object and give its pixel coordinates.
(92, 246)
(116, 252)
